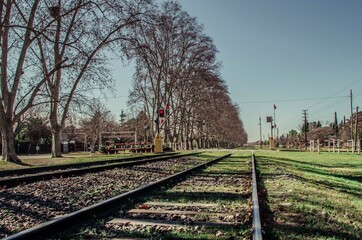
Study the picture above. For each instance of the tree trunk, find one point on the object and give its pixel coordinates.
(56, 143)
(92, 148)
(8, 144)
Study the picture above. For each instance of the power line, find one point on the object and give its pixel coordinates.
(292, 100)
(315, 109)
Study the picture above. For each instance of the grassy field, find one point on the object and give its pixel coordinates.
(47, 160)
(311, 196)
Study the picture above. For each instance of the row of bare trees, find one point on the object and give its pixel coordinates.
(54, 53)
(177, 70)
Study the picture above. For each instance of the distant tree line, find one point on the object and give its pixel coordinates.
(331, 130)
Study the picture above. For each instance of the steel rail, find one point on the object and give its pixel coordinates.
(34, 170)
(15, 181)
(257, 233)
(48, 229)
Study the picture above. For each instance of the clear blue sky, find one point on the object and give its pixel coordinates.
(280, 50)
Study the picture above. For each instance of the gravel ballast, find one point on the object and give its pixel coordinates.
(28, 205)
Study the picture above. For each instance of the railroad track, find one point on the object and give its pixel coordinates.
(28, 205)
(14, 178)
(220, 206)
(35, 170)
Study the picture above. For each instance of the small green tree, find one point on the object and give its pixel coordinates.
(37, 131)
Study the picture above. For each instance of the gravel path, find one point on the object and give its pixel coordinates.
(28, 205)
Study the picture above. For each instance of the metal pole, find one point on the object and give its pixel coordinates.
(274, 122)
(261, 141)
(305, 128)
(351, 99)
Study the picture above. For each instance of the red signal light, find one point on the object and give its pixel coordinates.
(161, 113)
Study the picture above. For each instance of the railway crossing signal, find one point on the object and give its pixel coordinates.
(161, 113)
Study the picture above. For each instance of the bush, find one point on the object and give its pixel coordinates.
(108, 149)
(167, 148)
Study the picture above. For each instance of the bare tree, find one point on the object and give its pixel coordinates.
(28, 29)
(220, 117)
(98, 119)
(176, 69)
(20, 26)
(81, 37)
(169, 50)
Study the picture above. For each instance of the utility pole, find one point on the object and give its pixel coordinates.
(356, 127)
(275, 122)
(305, 127)
(269, 119)
(261, 141)
(351, 98)
(336, 129)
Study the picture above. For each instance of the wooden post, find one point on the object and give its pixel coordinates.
(347, 145)
(318, 146)
(359, 146)
(338, 142)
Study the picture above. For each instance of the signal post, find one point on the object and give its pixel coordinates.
(158, 139)
(269, 119)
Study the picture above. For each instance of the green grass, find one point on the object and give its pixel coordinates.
(46, 160)
(312, 196)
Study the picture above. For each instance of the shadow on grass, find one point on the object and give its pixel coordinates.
(344, 165)
(280, 230)
(355, 191)
(304, 224)
(21, 163)
(306, 168)
(329, 206)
